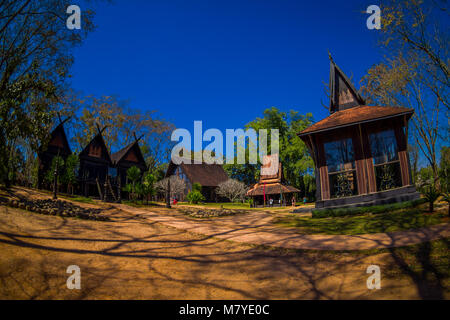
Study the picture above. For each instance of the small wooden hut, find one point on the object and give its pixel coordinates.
(271, 186)
(359, 151)
(57, 145)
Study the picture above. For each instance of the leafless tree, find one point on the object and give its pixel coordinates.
(177, 185)
(232, 189)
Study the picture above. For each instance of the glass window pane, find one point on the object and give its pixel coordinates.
(343, 184)
(340, 155)
(383, 146)
(388, 176)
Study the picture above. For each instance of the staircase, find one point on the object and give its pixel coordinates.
(109, 192)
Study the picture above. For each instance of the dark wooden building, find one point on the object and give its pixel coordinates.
(95, 165)
(124, 159)
(208, 175)
(57, 145)
(271, 186)
(360, 151)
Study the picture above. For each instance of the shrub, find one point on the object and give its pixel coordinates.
(431, 194)
(195, 197)
(340, 212)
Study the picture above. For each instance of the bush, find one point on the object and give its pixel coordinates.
(195, 197)
(340, 212)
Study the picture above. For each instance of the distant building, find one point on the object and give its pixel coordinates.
(95, 165)
(208, 175)
(272, 187)
(359, 151)
(57, 145)
(123, 160)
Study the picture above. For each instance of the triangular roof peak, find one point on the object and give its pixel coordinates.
(97, 138)
(343, 94)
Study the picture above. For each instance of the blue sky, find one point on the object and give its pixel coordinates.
(223, 62)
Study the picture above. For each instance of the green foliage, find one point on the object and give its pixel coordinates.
(405, 219)
(57, 162)
(70, 171)
(133, 175)
(430, 194)
(195, 197)
(444, 171)
(197, 187)
(35, 62)
(148, 185)
(294, 154)
(340, 212)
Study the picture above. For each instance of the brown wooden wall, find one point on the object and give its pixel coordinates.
(365, 172)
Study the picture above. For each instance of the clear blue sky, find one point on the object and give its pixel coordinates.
(223, 62)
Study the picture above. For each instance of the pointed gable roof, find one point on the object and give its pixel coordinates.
(121, 154)
(343, 94)
(58, 140)
(97, 141)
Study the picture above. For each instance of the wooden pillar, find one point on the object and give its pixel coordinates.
(402, 155)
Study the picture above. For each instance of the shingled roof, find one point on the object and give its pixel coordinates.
(356, 115)
(208, 175)
(260, 189)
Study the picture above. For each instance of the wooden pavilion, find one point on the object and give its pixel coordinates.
(57, 145)
(271, 186)
(359, 151)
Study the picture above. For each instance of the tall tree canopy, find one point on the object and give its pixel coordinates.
(35, 57)
(294, 156)
(415, 71)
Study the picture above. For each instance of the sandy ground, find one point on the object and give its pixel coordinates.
(132, 257)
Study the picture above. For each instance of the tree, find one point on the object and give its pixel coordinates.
(232, 190)
(415, 72)
(122, 124)
(70, 173)
(177, 186)
(148, 187)
(133, 176)
(445, 169)
(58, 167)
(36, 55)
(294, 155)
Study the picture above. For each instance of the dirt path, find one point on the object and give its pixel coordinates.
(256, 228)
(133, 257)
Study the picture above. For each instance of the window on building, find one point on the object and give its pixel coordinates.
(340, 158)
(383, 146)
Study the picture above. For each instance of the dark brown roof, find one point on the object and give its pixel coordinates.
(356, 115)
(117, 156)
(208, 175)
(273, 188)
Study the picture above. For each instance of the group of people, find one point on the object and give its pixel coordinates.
(293, 201)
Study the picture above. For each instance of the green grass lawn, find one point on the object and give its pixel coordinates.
(369, 223)
(230, 205)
